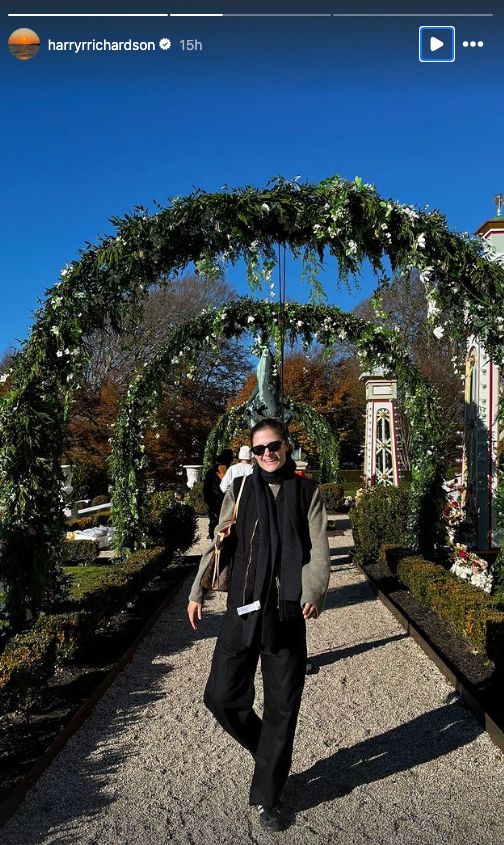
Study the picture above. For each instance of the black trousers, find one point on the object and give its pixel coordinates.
(229, 695)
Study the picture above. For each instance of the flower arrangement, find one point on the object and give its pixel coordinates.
(469, 567)
(453, 515)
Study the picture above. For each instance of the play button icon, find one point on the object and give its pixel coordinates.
(437, 43)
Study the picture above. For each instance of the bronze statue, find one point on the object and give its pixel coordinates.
(265, 400)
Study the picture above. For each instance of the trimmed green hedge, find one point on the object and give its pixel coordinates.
(380, 516)
(29, 658)
(100, 500)
(80, 552)
(80, 523)
(333, 496)
(472, 613)
(194, 497)
(171, 523)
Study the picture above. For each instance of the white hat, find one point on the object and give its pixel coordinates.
(244, 453)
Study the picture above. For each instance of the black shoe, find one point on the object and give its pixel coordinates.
(269, 817)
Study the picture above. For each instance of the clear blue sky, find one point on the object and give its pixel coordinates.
(91, 135)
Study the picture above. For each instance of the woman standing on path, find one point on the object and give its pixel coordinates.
(279, 579)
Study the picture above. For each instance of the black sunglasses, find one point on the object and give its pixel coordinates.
(275, 446)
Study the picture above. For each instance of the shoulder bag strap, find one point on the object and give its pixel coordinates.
(235, 509)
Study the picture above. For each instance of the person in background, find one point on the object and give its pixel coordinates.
(278, 580)
(244, 467)
(212, 493)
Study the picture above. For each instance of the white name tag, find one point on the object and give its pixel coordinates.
(248, 608)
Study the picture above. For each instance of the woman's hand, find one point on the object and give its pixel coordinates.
(310, 611)
(194, 613)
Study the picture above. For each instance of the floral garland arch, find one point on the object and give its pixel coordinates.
(347, 220)
(327, 445)
(326, 325)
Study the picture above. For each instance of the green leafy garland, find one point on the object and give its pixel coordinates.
(326, 325)
(224, 430)
(347, 220)
(327, 445)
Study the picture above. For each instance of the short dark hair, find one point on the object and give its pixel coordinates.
(225, 457)
(271, 422)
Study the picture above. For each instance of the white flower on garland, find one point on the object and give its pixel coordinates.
(265, 206)
(351, 248)
(410, 212)
(55, 330)
(438, 332)
(250, 319)
(3, 378)
(420, 241)
(426, 274)
(433, 308)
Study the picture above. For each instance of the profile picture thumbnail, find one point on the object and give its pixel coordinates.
(24, 43)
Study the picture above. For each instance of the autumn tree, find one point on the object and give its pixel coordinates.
(406, 305)
(332, 388)
(185, 415)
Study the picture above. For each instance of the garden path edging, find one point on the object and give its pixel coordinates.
(10, 804)
(468, 694)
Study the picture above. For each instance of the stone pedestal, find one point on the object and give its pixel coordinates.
(193, 473)
(302, 465)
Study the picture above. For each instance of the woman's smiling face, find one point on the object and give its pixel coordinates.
(270, 461)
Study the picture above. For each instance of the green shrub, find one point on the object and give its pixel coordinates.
(468, 610)
(333, 496)
(195, 499)
(80, 552)
(85, 579)
(390, 554)
(29, 658)
(380, 516)
(171, 523)
(80, 523)
(87, 480)
(83, 522)
(100, 500)
(100, 595)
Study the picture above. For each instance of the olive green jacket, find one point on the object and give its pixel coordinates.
(315, 573)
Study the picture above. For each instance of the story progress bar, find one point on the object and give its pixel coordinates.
(248, 15)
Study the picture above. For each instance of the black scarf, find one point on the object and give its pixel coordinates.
(280, 547)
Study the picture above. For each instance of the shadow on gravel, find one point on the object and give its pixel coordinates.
(349, 594)
(328, 657)
(78, 786)
(340, 551)
(425, 738)
(75, 795)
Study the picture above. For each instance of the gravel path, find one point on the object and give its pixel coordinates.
(384, 752)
